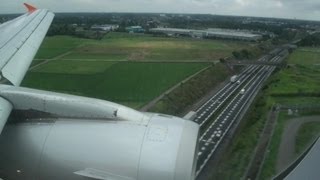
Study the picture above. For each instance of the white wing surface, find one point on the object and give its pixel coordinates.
(20, 40)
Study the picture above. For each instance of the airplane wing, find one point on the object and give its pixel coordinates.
(20, 40)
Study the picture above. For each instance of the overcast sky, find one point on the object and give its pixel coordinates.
(300, 9)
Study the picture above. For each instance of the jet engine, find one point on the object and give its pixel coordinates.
(84, 138)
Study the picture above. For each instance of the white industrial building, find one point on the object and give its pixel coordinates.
(210, 33)
(105, 27)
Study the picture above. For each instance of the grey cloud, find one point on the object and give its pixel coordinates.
(307, 9)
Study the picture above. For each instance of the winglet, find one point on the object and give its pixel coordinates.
(30, 8)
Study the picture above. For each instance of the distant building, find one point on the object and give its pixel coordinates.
(105, 27)
(135, 29)
(210, 33)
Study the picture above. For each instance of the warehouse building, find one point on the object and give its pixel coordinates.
(135, 29)
(209, 33)
(105, 27)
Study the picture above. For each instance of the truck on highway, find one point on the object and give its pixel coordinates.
(233, 78)
(242, 91)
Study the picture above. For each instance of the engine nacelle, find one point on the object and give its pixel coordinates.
(89, 138)
(164, 149)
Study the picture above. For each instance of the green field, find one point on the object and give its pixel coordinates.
(296, 85)
(269, 166)
(307, 133)
(305, 136)
(301, 76)
(130, 47)
(74, 67)
(297, 79)
(306, 56)
(124, 82)
(57, 45)
(110, 69)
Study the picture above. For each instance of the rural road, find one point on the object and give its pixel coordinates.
(48, 60)
(286, 153)
(149, 61)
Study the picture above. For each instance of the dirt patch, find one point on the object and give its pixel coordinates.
(102, 49)
(138, 56)
(286, 152)
(164, 44)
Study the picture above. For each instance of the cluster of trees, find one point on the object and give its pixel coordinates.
(242, 54)
(289, 35)
(310, 40)
(61, 29)
(98, 35)
(67, 29)
(86, 19)
(124, 20)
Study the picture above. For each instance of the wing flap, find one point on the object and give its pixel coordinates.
(18, 50)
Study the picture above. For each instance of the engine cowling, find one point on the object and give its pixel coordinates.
(90, 138)
(164, 148)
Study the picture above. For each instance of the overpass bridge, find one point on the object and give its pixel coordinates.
(248, 62)
(280, 53)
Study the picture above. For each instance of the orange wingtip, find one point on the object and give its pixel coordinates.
(30, 8)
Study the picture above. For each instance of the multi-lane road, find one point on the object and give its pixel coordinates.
(225, 109)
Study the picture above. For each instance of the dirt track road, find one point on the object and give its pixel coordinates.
(48, 60)
(286, 152)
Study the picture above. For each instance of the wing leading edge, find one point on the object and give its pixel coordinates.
(20, 40)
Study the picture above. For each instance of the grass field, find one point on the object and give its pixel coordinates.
(299, 79)
(269, 166)
(123, 46)
(57, 45)
(302, 75)
(287, 87)
(74, 67)
(307, 133)
(128, 83)
(110, 69)
(306, 56)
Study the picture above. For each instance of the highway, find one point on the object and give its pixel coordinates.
(211, 106)
(221, 112)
